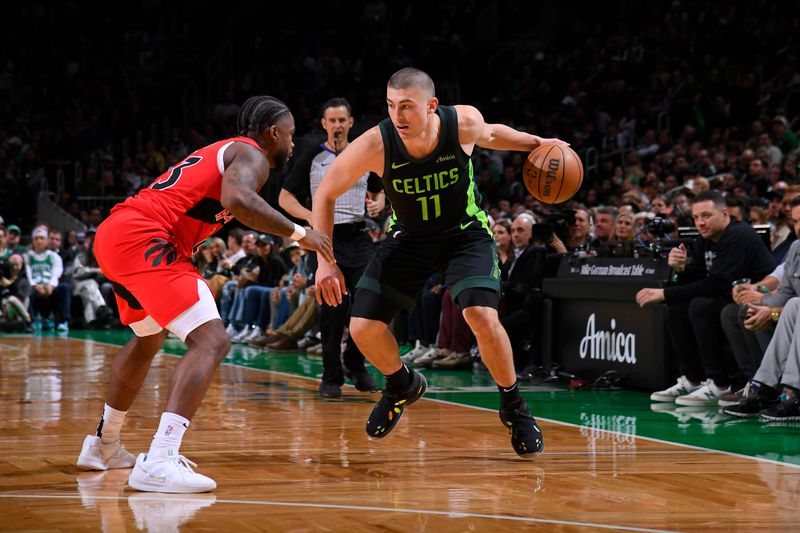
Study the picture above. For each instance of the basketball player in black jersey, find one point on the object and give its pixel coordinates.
(422, 151)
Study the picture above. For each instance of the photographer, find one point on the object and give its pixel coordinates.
(726, 250)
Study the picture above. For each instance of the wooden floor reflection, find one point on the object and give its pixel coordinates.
(284, 460)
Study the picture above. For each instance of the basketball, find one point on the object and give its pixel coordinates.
(553, 173)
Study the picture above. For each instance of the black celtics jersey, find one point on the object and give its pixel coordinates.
(435, 193)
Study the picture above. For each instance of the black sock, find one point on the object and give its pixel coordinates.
(400, 380)
(509, 396)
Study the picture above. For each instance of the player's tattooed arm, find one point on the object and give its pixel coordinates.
(245, 173)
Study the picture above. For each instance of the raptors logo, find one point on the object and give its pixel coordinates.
(223, 217)
(161, 249)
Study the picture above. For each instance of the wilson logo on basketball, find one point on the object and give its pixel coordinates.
(552, 175)
(608, 345)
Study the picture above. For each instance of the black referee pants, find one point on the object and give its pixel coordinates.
(353, 249)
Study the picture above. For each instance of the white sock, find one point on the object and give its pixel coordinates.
(110, 424)
(167, 440)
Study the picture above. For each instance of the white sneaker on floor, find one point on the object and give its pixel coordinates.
(98, 456)
(231, 330)
(166, 512)
(415, 353)
(708, 394)
(681, 388)
(252, 334)
(431, 354)
(240, 336)
(168, 474)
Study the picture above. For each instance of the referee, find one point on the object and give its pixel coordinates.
(352, 243)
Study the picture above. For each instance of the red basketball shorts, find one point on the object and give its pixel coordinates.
(149, 276)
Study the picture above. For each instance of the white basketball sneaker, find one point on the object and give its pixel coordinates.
(168, 473)
(98, 456)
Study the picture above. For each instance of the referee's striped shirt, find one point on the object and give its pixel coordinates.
(306, 176)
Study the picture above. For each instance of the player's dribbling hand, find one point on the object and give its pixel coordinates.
(317, 241)
(330, 284)
(543, 140)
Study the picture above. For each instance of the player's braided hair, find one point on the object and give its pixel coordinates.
(259, 113)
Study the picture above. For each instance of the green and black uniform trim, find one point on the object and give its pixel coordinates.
(437, 226)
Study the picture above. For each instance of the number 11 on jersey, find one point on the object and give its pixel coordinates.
(437, 209)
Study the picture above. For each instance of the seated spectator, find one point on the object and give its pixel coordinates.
(454, 339)
(251, 308)
(578, 232)
(748, 336)
(603, 226)
(87, 278)
(225, 265)
(623, 228)
(520, 303)
(12, 240)
(290, 289)
(13, 307)
(780, 368)
(247, 261)
(44, 268)
(724, 251)
(763, 311)
(4, 252)
(782, 237)
(208, 258)
(288, 335)
(423, 322)
(502, 245)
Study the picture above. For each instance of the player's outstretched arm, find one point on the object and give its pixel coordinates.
(244, 175)
(472, 129)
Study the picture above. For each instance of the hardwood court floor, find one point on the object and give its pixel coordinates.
(285, 460)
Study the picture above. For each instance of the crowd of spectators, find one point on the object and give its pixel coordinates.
(663, 102)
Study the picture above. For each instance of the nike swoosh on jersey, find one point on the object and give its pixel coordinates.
(464, 226)
(325, 164)
(395, 165)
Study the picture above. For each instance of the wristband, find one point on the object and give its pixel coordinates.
(299, 233)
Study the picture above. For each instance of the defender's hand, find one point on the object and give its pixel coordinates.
(318, 242)
(330, 284)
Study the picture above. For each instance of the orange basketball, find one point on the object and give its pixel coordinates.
(553, 173)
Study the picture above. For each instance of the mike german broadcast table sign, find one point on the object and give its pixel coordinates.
(597, 325)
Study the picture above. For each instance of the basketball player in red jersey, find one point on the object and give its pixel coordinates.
(144, 248)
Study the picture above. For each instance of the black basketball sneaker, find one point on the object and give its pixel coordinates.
(526, 437)
(387, 412)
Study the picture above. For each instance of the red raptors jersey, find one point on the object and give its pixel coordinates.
(185, 200)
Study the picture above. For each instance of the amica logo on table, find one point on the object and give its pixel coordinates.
(608, 345)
